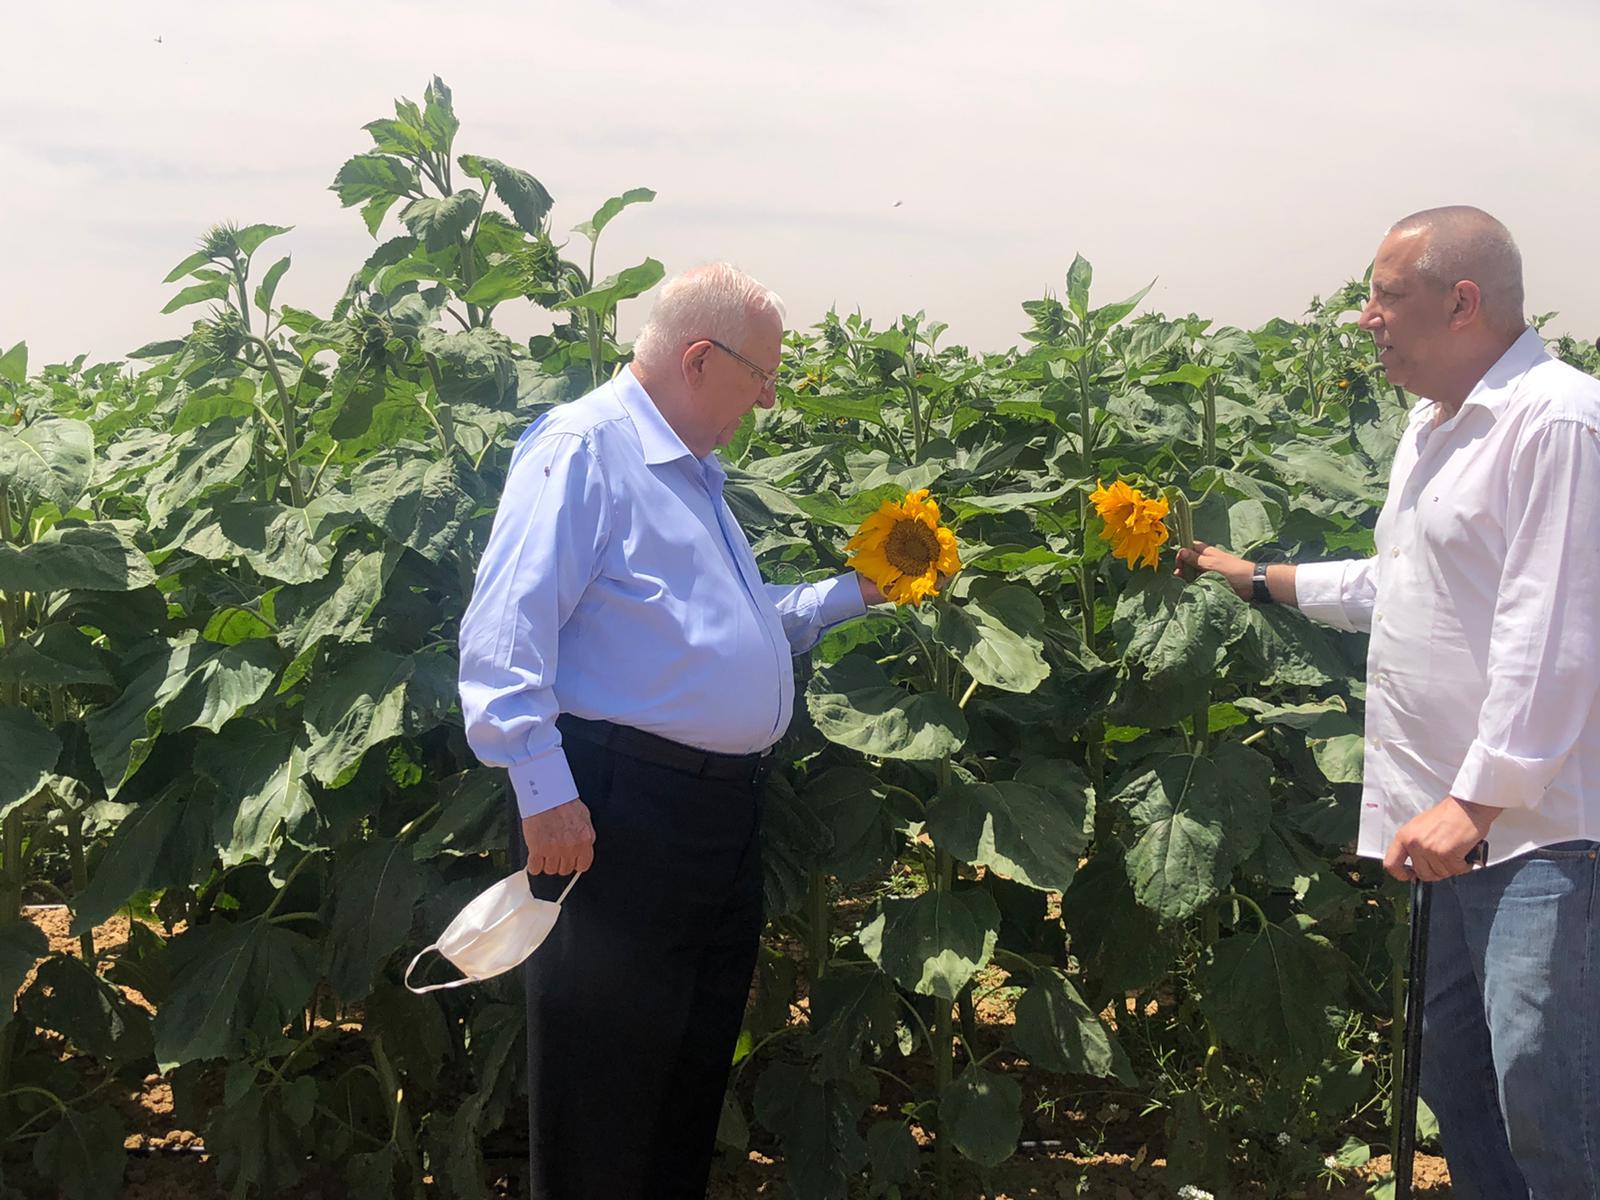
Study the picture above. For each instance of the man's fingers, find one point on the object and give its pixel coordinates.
(585, 856)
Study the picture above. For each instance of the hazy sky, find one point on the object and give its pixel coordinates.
(1247, 154)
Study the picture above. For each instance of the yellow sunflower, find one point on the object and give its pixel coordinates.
(903, 549)
(1133, 522)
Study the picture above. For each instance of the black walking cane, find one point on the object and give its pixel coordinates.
(1405, 1136)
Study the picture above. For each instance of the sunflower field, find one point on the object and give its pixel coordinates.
(1058, 830)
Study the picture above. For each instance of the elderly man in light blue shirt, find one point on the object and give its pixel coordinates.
(624, 661)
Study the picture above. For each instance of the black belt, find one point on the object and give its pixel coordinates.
(664, 752)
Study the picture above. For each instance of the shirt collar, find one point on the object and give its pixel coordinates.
(656, 438)
(1499, 382)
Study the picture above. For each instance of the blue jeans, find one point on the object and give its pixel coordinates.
(1511, 1027)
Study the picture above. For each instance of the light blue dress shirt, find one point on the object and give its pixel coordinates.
(617, 586)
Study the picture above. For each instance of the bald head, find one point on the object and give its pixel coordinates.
(1459, 242)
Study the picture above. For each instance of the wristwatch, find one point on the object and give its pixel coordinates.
(1258, 585)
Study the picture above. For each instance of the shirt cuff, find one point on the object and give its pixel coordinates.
(543, 783)
(1319, 593)
(839, 599)
(1501, 780)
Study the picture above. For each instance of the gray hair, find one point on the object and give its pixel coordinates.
(714, 301)
(1467, 243)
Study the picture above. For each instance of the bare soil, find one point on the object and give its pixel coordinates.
(169, 1163)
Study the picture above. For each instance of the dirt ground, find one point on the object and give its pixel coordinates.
(169, 1163)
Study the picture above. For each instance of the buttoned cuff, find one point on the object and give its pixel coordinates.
(1319, 593)
(839, 599)
(543, 783)
(1502, 780)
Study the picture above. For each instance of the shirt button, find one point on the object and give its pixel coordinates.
(1395, 553)
(1377, 743)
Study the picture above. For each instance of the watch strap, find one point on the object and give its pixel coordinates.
(1259, 593)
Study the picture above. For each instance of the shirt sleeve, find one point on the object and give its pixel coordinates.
(1341, 594)
(543, 551)
(1544, 645)
(809, 610)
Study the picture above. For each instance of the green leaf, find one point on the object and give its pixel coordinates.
(602, 217)
(848, 802)
(160, 843)
(268, 288)
(998, 638)
(275, 539)
(182, 684)
(14, 365)
(1079, 276)
(203, 460)
(95, 557)
(419, 502)
(853, 703)
(28, 754)
(934, 943)
(1192, 374)
(1170, 630)
(376, 884)
(439, 223)
(1056, 1030)
(339, 606)
(524, 195)
(68, 998)
(261, 785)
(49, 460)
(81, 1154)
(895, 1155)
(1196, 819)
(1292, 649)
(1316, 719)
(232, 979)
(982, 1114)
(849, 1009)
(1341, 758)
(816, 1124)
(1106, 317)
(624, 285)
(1267, 991)
(22, 943)
(199, 293)
(250, 238)
(1019, 831)
(472, 816)
(1004, 502)
(376, 180)
(366, 698)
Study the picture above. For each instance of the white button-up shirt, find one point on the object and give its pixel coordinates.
(1483, 602)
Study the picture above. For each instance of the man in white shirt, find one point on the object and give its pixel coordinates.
(1483, 724)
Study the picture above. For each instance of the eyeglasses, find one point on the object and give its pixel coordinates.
(769, 379)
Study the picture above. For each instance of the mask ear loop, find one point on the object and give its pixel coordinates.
(455, 983)
(432, 987)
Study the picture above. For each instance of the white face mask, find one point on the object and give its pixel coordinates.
(495, 932)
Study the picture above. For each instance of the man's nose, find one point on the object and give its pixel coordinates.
(1369, 318)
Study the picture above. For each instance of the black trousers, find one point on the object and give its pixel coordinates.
(636, 999)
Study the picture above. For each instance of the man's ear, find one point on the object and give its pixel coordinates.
(1468, 304)
(694, 364)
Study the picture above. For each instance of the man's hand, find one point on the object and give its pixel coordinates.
(1202, 557)
(560, 840)
(1438, 841)
(870, 592)
(873, 594)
